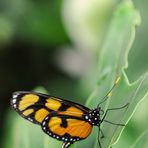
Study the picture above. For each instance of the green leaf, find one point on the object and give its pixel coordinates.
(141, 141)
(50, 142)
(26, 135)
(112, 62)
(125, 93)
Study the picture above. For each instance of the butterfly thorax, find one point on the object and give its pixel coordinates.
(94, 116)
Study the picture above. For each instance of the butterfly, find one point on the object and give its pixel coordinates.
(61, 119)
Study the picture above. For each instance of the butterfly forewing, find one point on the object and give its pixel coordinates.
(36, 106)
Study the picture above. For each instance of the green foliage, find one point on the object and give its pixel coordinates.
(112, 62)
(38, 22)
(141, 141)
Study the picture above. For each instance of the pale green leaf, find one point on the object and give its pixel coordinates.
(142, 141)
(112, 61)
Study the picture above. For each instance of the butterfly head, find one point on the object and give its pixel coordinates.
(94, 116)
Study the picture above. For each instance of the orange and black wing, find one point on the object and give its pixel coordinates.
(66, 128)
(36, 106)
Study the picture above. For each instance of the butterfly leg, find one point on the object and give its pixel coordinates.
(102, 134)
(99, 131)
(66, 144)
(111, 109)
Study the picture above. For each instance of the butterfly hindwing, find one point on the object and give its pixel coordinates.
(66, 128)
(36, 106)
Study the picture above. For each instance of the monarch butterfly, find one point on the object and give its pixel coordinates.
(61, 119)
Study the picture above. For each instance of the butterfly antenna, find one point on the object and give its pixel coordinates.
(109, 94)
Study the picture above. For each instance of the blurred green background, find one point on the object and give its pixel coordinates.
(54, 45)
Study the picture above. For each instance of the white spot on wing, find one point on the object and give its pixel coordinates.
(30, 119)
(86, 117)
(14, 101)
(44, 123)
(15, 96)
(14, 105)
